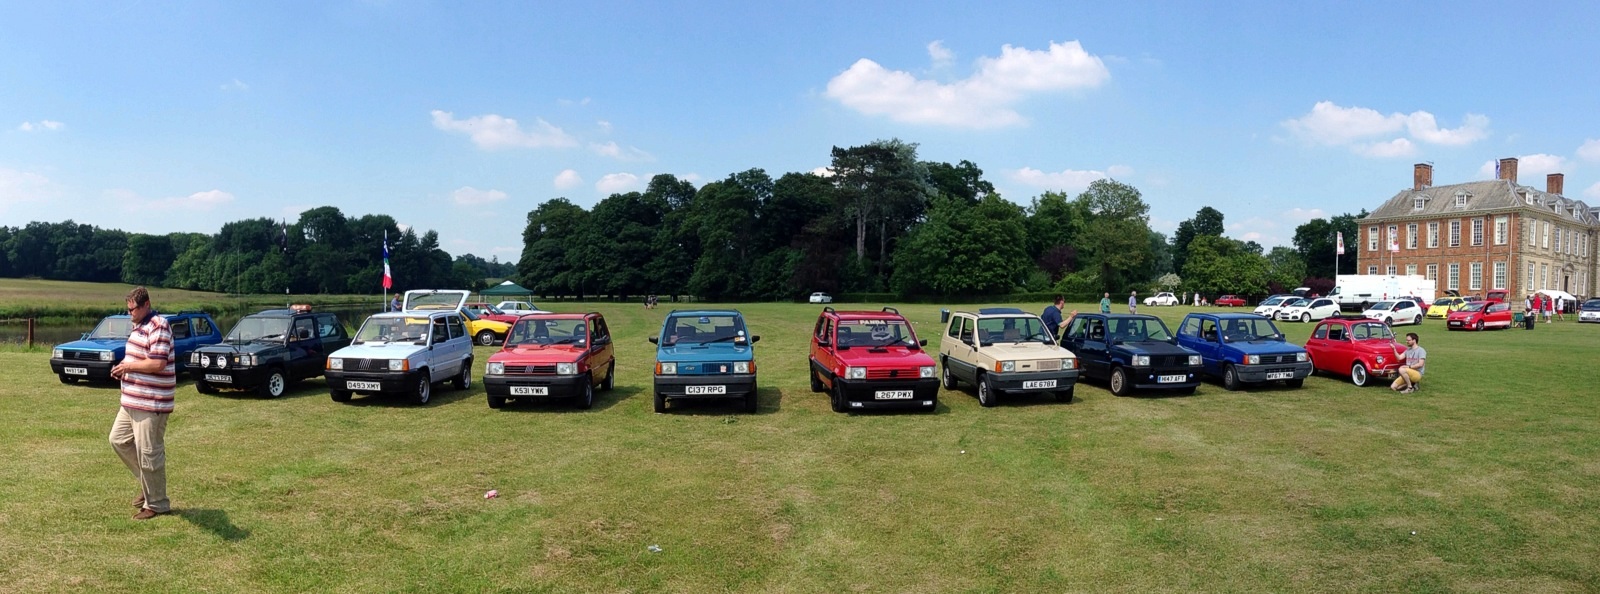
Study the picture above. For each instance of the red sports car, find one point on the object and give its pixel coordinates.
(1229, 301)
(1479, 315)
(1362, 348)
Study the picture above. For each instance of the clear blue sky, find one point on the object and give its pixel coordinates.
(157, 116)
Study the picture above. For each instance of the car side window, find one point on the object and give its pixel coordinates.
(180, 328)
(441, 330)
(600, 329)
(1208, 330)
(1097, 329)
(1321, 332)
(966, 330)
(202, 326)
(826, 330)
(457, 328)
(954, 331)
(1077, 329)
(1191, 328)
(304, 329)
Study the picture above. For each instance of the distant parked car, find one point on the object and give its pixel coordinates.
(1395, 313)
(1243, 349)
(1270, 305)
(489, 312)
(92, 357)
(1480, 315)
(1360, 348)
(1163, 298)
(1590, 312)
(518, 308)
(1229, 301)
(821, 298)
(1441, 307)
(1308, 310)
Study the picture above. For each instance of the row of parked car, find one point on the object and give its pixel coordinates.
(862, 360)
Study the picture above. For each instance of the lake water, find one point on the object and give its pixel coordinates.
(16, 331)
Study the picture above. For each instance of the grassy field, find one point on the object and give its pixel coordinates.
(62, 300)
(1487, 480)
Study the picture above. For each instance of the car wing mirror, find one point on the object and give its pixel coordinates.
(755, 339)
(655, 340)
(923, 342)
(824, 344)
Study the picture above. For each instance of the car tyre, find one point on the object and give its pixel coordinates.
(611, 377)
(275, 385)
(1189, 391)
(204, 387)
(67, 379)
(986, 395)
(1305, 318)
(837, 399)
(661, 402)
(1479, 326)
(946, 378)
(463, 380)
(751, 403)
(1065, 396)
(1416, 321)
(1230, 379)
(816, 383)
(497, 401)
(339, 395)
(486, 338)
(1119, 382)
(586, 397)
(422, 390)
(1358, 374)
(1295, 383)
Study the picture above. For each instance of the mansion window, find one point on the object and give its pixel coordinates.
(1502, 230)
(1477, 231)
(1411, 270)
(1558, 240)
(1411, 236)
(1433, 234)
(1372, 270)
(1391, 270)
(1455, 234)
(1499, 275)
(1475, 275)
(1433, 272)
(1453, 279)
(1372, 239)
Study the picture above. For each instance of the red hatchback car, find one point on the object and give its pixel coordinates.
(1362, 348)
(1229, 301)
(1479, 315)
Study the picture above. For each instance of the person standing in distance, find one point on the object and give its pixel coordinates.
(149, 379)
(1105, 304)
(1133, 302)
(1052, 317)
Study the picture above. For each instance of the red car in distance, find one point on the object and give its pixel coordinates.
(1229, 301)
(1479, 315)
(490, 312)
(1361, 348)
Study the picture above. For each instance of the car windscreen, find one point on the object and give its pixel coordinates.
(112, 328)
(1137, 330)
(393, 329)
(544, 331)
(1276, 301)
(1297, 303)
(1242, 330)
(1012, 329)
(259, 328)
(1443, 301)
(1591, 305)
(1475, 306)
(1371, 331)
(875, 333)
(684, 330)
(1383, 305)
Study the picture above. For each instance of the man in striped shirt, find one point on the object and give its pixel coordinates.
(149, 378)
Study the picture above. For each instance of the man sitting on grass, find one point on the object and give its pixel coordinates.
(1415, 364)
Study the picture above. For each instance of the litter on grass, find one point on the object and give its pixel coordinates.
(491, 494)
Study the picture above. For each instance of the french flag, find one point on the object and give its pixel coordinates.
(388, 281)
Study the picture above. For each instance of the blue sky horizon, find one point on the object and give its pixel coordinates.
(155, 117)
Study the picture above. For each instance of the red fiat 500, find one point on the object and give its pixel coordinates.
(1362, 348)
(1479, 315)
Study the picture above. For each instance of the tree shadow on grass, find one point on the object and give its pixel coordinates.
(216, 522)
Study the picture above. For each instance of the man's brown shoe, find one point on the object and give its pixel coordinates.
(139, 503)
(147, 513)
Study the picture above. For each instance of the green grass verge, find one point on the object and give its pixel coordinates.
(62, 301)
(1486, 480)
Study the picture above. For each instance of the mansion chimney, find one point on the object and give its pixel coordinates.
(1553, 183)
(1422, 176)
(1508, 169)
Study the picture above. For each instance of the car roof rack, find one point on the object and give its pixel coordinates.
(892, 310)
(1001, 310)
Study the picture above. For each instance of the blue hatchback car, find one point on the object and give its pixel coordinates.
(1243, 348)
(92, 357)
(705, 354)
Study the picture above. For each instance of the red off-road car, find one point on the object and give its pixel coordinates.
(871, 359)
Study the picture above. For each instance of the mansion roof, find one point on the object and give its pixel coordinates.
(1480, 197)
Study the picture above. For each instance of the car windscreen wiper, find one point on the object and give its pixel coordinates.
(721, 339)
(269, 337)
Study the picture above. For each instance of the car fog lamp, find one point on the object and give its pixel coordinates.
(741, 367)
(335, 363)
(855, 373)
(1141, 360)
(1194, 359)
(56, 354)
(1302, 357)
(667, 368)
(1252, 359)
(1008, 366)
(105, 355)
(397, 365)
(567, 368)
(927, 371)
(205, 360)
(222, 362)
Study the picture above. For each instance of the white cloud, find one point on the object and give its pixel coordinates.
(982, 100)
(235, 85)
(1119, 171)
(568, 179)
(605, 126)
(41, 125)
(613, 183)
(1529, 167)
(210, 198)
(693, 178)
(470, 196)
(1301, 215)
(940, 54)
(1329, 124)
(1590, 151)
(613, 150)
(571, 102)
(199, 201)
(1065, 180)
(1593, 192)
(492, 132)
(20, 187)
(822, 172)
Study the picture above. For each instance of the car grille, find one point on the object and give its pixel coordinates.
(1047, 365)
(1169, 361)
(713, 368)
(1267, 359)
(369, 364)
(531, 369)
(81, 355)
(883, 373)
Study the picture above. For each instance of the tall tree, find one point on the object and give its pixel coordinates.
(963, 180)
(1054, 224)
(1206, 221)
(553, 227)
(882, 185)
(964, 249)
(1315, 240)
(1116, 238)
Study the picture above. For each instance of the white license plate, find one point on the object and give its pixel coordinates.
(893, 395)
(703, 390)
(1171, 379)
(1034, 385)
(370, 386)
(212, 377)
(530, 391)
(75, 370)
(1278, 375)
(1455, 323)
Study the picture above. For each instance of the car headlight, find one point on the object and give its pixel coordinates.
(1008, 366)
(1302, 357)
(927, 372)
(105, 355)
(194, 358)
(1069, 363)
(247, 360)
(1141, 360)
(567, 368)
(205, 360)
(855, 373)
(335, 363)
(56, 354)
(1194, 359)
(1380, 359)
(399, 365)
(667, 368)
(1252, 359)
(495, 368)
(741, 367)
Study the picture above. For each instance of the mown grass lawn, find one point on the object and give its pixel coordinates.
(1487, 480)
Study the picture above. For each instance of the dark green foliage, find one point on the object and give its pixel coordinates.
(1316, 242)
(964, 250)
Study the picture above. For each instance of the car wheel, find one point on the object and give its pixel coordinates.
(986, 395)
(275, 385)
(661, 402)
(586, 397)
(1185, 391)
(1358, 374)
(816, 383)
(339, 395)
(67, 379)
(1417, 321)
(423, 389)
(1065, 396)
(1295, 383)
(947, 379)
(497, 401)
(751, 403)
(611, 377)
(1230, 379)
(486, 338)
(464, 379)
(1119, 382)
(837, 399)
(204, 387)
(1305, 318)
(1479, 326)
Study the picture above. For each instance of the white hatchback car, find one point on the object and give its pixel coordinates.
(1270, 306)
(1301, 309)
(1395, 313)
(821, 298)
(1163, 298)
